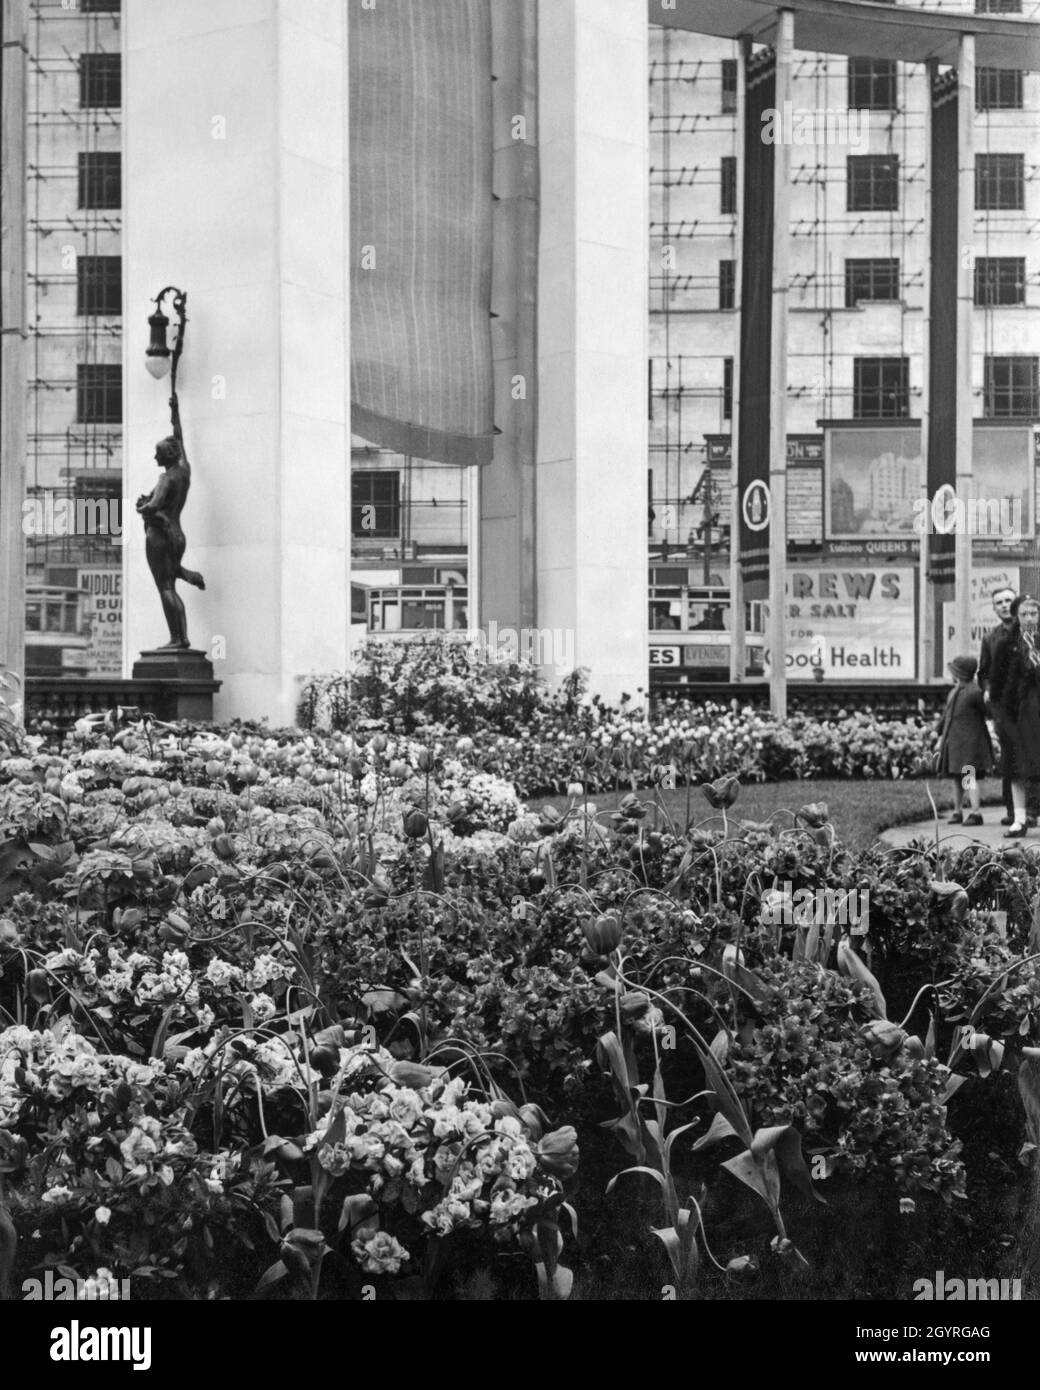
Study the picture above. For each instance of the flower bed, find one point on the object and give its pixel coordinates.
(304, 1014)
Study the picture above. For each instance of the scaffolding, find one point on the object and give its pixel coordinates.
(696, 162)
(74, 435)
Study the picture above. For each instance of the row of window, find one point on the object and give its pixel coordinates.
(881, 388)
(998, 280)
(872, 86)
(872, 183)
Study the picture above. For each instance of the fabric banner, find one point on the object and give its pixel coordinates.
(421, 228)
(942, 332)
(756, 303)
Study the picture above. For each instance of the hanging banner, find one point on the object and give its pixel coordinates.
(850, 623)
(421, 228)
(942, 328)
(756, 319)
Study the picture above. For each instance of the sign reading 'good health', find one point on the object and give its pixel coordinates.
(851, 624)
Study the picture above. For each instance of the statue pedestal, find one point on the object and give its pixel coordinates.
(185, 678)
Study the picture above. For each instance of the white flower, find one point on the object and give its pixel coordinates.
(103, 1216)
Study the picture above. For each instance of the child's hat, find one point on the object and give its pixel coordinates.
(964, 667)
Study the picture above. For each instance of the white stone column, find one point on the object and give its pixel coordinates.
(593, 331)
(235, 189)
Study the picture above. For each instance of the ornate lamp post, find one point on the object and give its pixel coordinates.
(175, 661)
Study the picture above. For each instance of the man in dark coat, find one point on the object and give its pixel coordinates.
(992, 643)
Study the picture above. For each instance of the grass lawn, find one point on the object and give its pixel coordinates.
(860, 810)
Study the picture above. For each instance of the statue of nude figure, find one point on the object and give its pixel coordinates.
(164, 540)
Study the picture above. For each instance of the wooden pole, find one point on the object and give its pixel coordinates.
(965, 313)
(781, 249)
(13, 349)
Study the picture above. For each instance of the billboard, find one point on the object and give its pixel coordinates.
(852, 622)
(873, 478)
(102, 607)
(985, 581)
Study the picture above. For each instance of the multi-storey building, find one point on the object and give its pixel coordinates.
(859, 252)
(74, 312)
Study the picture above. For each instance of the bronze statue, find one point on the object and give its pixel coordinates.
(164, 540)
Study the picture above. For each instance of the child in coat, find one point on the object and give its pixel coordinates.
(965, 752)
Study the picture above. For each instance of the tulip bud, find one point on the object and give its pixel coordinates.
(37, 985)
(378, 743)
(356, 768)
(634, 1004)
(721, 793)
(216, 826)
(604, 934)
(415, 823)
(214, 770)
(224, 847)
(883, 1039)
(398, 770)
(504, 1109)
(533, 1119)
(426, 760)
(575, 789)
(557, 1152)
(414, 1075)
(324, 1060)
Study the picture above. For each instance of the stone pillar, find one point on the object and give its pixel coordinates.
(593, 331)
(235, 190)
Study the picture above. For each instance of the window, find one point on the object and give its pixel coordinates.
(100, 181)
(998, 89)
(1012, 387)
(729, 184)
(870, 279)
(882, 388)
(99, 285)
(1000, 280)
(1000, 182)
(727, 284)
(99, 393)
(873, 182)
(727, 388)
(729, 84)
(100, 79)
(375, 499)
(872, 84)
(998, 6)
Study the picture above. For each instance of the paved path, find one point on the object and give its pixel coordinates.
(958, 836)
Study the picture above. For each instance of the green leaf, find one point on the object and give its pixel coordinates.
(785, 1142)
(271, 1276)
(850, 964)
(1029, 1090)
(720, 1129)
(649, 1172)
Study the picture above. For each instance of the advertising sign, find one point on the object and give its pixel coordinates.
(984, 584)
(853, 623)
(102, 607)
(873, 479)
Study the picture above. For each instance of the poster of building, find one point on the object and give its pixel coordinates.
(101, 607)
(874, 476)
(1001, 485)
(852, 622)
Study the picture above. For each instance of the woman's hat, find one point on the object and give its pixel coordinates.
(964, 667)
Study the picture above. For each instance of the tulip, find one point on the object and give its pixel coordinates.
(503, 1109)
(883, 1039)
(214, 770)
(815, 815)
(534, 1120)
(634, 1005)
(575, 790)
(378, 743)
(356, 768)
(557, 1152)
(426, 760)
(414, 1075)
(415, 823)
(38, 986)
(324, 1060)
(604, 934)
(398, 770)
(721, 793)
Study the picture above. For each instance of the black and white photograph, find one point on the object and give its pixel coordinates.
(519, 669)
